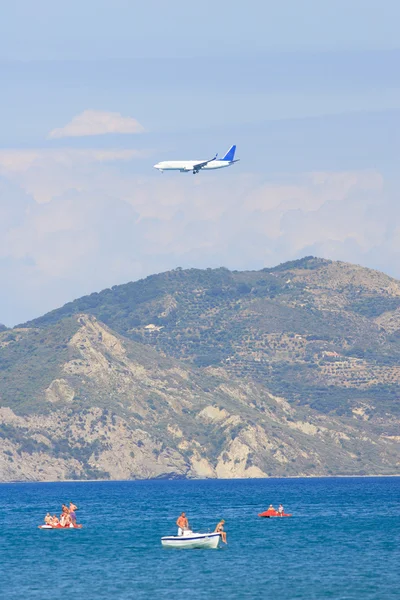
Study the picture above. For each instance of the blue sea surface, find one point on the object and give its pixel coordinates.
(343, 541)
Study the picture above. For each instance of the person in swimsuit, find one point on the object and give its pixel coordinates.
(47, 519)
(183, 523)
(72, 509)
(281, 510)
(64, 512)
(220, 529)
(54, 521)
(65, 520)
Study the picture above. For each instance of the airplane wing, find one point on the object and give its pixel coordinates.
(196, 168)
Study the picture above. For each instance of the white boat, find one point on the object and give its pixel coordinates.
(189, 539)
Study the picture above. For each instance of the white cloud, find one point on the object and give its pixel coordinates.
(45, 173)
(97, 122)
(22, 160)
(81, 210)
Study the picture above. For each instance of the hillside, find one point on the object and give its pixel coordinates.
(283, 372)
(108, 407)
(320, 333)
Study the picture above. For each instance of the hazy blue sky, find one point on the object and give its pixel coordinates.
(93, 93)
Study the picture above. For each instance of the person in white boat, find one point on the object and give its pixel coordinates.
(220, 529)
(183, 523)
(48, 519)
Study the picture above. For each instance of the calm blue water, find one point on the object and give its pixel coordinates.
(343, 541)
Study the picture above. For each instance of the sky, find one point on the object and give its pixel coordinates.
(94, 93)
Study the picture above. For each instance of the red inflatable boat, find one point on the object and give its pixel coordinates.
(273, 513)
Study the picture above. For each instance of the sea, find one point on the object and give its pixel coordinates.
(342, 542)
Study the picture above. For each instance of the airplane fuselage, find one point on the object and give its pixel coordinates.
(186, 166)
(195, 166)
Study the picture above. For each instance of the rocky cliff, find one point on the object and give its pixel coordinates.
(80, 400)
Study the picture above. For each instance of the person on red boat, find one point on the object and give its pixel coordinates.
(65, 519)
(63, 516)
(281, 510)
(271, 508)
(72, 509)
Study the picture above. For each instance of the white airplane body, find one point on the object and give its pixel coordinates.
(194, 166)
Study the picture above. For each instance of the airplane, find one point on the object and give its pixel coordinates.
(194, 166)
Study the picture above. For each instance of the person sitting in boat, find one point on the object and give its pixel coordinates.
(54, 521)
(48, 519)
(64, 513)
(281, 510)
(65, 519)
(270, 507)
(183, 524)
(72, 509)
(220, 529)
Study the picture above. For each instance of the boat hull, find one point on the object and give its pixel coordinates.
(268, 514)
(196, 540)
(60, 527)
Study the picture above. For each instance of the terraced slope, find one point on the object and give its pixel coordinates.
(81, 401)
(320, 333)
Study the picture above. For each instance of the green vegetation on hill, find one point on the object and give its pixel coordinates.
(80, 401)
(29, 361)
(293, 370)
(308, 262)
(306, 329)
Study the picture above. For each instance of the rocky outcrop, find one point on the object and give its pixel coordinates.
(98, 405)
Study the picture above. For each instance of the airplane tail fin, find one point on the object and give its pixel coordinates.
(230, 155)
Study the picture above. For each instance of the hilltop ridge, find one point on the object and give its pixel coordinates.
(320, 332)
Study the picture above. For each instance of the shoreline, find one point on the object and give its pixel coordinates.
(207, 479)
